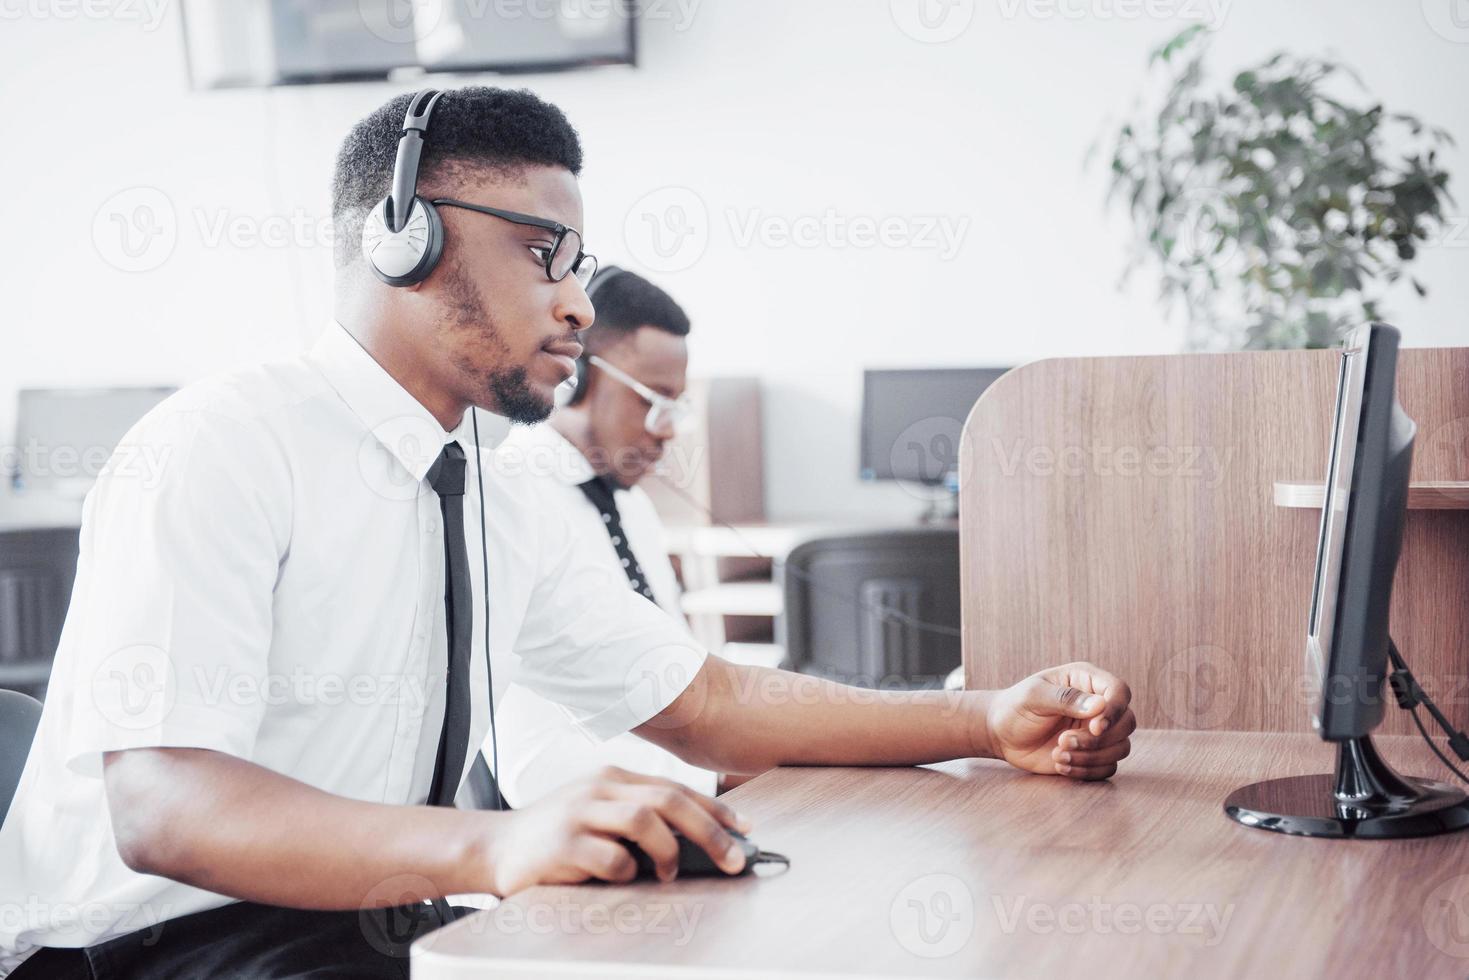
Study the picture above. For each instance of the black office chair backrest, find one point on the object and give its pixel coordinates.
(876, 609)
(38, 567)
(19, 715)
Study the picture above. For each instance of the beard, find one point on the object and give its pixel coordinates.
(507, 389)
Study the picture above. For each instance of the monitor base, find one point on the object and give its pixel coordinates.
(1365, 799)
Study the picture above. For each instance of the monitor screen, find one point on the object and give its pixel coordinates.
(1364, 511)
(912, 421)
(64, 436)
(1338, 490)
(241, 43)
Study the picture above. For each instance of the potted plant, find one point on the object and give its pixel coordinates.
(1277, 211)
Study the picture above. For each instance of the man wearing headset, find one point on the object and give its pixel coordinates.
(279, 651)
(625, 404)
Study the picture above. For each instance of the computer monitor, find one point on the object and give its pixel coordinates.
(1361, 535)
(912, 421)
(64, 436)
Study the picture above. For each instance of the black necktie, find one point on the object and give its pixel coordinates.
(446, 476)
(599, 492)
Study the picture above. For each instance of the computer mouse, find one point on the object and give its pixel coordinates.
(693, 860)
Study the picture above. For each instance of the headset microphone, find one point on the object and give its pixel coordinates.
(574, 389)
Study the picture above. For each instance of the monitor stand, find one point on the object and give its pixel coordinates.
(1365, 799)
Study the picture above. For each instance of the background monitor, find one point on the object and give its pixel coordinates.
(237, 43)
(64, 436)
(912, 421)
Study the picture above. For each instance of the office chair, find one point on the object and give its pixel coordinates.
(19, 715)
(38, 567)
(873, 609)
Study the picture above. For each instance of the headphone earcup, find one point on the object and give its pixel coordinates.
(402, 258)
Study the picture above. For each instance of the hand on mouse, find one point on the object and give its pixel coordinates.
(571, 834)
(1073, 720)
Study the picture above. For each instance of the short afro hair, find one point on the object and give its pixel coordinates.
(625, 301)
(473, 128)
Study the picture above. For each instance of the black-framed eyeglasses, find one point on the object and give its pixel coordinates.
(564, 257)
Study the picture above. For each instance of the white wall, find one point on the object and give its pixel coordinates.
(771, 109)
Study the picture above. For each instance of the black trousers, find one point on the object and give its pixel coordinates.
(246, 941)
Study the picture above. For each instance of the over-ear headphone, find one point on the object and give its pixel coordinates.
(403, 237)
(604, 276)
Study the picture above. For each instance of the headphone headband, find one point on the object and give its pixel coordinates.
(410, 149)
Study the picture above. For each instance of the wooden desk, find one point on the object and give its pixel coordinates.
(1015, 875)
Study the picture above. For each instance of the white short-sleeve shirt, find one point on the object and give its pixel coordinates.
(262, 574)
(541, 746)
